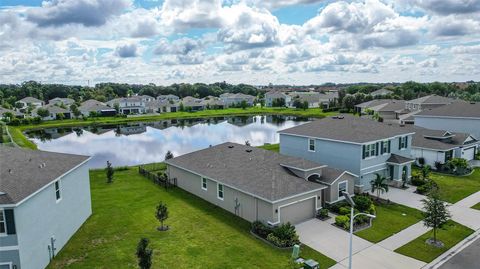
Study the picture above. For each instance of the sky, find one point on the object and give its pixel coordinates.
(295, 42)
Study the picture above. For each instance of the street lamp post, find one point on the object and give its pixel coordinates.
(349, 199)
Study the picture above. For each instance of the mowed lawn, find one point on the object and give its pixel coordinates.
(391, 219)
(201, 235)
(476, 206)
(451, 234)
(455, 188)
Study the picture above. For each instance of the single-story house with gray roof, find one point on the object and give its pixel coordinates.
(44, 200)
(101, 109)
(257, 184)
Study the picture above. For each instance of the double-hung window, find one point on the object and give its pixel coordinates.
(370, 150)
(403, 142)
(219, 191)
(342, 187)
(3, 224)
(58, 194)
(311, 144)
(385, 147)
(204, 183)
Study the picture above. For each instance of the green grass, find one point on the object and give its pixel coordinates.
(476, 206)
(201, 235)
(312, 112)
(20, 139)
(451, 234)
(272, 147)
(389, 221)
(455, 188)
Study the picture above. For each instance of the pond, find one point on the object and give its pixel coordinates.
(147, 142)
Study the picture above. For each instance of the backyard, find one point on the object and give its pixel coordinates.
(201, 235)
(450, 235)
(390, 219)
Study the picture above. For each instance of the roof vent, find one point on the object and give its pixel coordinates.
(10, 171)
(230, 146)
(248, 150)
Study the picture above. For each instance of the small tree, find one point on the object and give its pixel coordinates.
(162, 214)
(116, 106)
(109, 170)
(168, 155)
(426, 172)
(144, 254)
(435, 213)
(42, 112)
(379, 185)
(243, 104)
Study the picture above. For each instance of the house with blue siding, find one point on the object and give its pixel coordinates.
(44, 199)
(358, 145)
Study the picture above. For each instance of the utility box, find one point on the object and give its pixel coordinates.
(311, 264)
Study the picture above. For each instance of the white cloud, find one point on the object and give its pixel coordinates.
(474, 49)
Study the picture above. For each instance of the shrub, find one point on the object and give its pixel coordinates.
(438, 166)
(344, 210)
(343, 221)
(261, 229)
(335, 208)
(417, 181)
(361, 219)
(344, 110)
(423, 189)
(372, 210)
(322, 213)
(421, 161)
(362, 203)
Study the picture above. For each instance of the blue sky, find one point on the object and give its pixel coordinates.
(239, 41)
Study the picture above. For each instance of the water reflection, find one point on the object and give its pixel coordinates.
(137, 143)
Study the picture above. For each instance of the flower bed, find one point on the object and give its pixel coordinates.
(282, 236)
(342, 209)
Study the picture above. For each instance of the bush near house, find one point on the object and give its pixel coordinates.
(282, 236)
(363, 203)
(343, 221)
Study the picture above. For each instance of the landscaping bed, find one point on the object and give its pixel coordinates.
(201, 235)
(450, 235)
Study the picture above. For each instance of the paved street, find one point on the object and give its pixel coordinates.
(465, 259)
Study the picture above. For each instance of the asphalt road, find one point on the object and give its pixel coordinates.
(468, 258)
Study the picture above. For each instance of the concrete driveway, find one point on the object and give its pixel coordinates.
(333, 242)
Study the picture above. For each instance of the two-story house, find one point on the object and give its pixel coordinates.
(29, 101)
(44, 199)
(358, 145)
(232, 99)
(277, 98)
(130, 105)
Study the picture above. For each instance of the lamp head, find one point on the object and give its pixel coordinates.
(349, 199)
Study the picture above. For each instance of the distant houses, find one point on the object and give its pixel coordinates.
(96, 108)
(44, 200)
(51, 112)
(235, 99)
(61, 101)
(293, 98)
(29, 101)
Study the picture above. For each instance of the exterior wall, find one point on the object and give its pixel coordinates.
(430, 156)
(10, 256)
(248, 204)
(276, 206)
(41, 217)
(388, 115)
(469, 126)
(331, 194)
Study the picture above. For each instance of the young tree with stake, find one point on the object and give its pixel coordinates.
(109, 171)
(162, 214)
(435, 213)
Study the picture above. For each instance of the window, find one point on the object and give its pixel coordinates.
(220, 191)
(204, 183)
(403, 142)
(342, 187)
(58, 196)
(3, 225)
(311, 144)
(385, 147)
(369, 150)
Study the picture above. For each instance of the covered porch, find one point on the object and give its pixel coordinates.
(399, 169)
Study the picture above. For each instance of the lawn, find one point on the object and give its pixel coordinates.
(201, 235)
(455, 188)
(451, 234)
(20, 139)
(391, 219)
(477, 206)
(272, 147)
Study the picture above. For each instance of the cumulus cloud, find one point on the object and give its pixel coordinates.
(126, 51)
(448, 6)
(474, 49)
(453, 26)
(84, 12)
(429, 63)
(185, 14)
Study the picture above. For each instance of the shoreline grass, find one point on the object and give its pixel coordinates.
(20, 139)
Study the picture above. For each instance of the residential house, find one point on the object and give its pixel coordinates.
(169, 97)
(54, 112)
(441, 146)
(365, 107)
(380, 93)
(146, 98)
(44, 199)
(385, 108)
(192, 103)
(161, 106)
(459, 116)
(358, 145)
(232, 99)
(427, 102)
(97, 107)
(61, 101)
(129, 105)
(311, 98)
(4, 112)
(213, 102)
(272, 98)
(328, 98)
(257, 184)
(30, 101)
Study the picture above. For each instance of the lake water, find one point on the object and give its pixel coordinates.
(138, 143)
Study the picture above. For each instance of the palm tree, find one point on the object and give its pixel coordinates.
(379, 184)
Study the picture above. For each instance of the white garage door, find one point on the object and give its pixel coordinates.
(468, 154)
(298, 212)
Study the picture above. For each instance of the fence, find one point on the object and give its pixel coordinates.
(164, 181)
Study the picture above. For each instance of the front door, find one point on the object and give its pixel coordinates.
(391, 170)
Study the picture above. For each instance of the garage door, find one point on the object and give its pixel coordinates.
(298, 212)
(468, 154)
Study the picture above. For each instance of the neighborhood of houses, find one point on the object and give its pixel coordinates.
(318, 161)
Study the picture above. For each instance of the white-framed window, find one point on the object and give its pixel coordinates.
(219, 191)
(403, 142)
(342, 187)
(58, 194)
(311, 144)
(370, 150)
(385, 148)
(204, 183)
(3, 223)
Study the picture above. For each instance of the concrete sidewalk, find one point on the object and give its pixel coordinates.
(403, 237)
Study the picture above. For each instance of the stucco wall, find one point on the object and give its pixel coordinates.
(331, 194)
(470, 126)
(42, 217)
(430, 156)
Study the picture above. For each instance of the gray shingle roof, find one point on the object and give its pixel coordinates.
(394, 158)
(15, 113)
(258, 172)
(455, 109)
(347, 128)
(93, 105)
(30, 99)
(21, 176)
(432, 99)
(374, 102)
(423, 138)
(54, 109)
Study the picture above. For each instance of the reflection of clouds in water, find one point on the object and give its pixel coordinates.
(152, 145)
